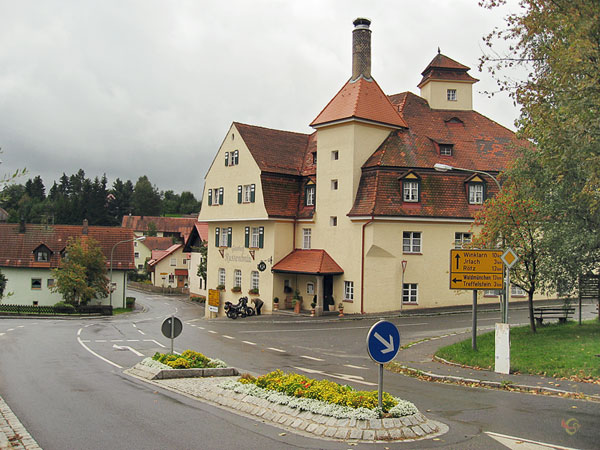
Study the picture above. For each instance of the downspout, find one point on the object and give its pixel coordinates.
(362, 264)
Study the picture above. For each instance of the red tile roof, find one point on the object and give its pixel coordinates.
(157, 243)
(17, 249)
(159, 255)
(317, 262)
(197, 235)
(443, 68)
(181, 225)
(360, 99)
(281, 194)
(275, 150)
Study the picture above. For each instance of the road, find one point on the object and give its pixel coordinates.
(64, 380)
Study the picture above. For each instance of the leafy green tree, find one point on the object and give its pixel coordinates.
(188, 203)
(152, 231)
(558, 44)
(203, 250)
(146, 198)
(81, 276)
(3, 281)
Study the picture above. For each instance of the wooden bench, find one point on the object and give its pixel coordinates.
(552, 312)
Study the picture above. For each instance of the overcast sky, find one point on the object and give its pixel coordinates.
(150, 87)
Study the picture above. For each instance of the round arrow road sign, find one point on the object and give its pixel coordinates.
(171, 330)
(383, 342)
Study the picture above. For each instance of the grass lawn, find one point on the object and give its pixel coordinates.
(567, 350)
(121, 310)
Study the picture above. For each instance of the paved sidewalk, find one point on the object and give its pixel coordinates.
(13, 434)
(420, 357)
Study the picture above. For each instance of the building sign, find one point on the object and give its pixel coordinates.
(476, 269)
(214, 300)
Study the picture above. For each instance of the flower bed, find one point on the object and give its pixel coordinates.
(189, 359)
(320, 396)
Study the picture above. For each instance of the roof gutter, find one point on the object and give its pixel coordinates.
(362, 265)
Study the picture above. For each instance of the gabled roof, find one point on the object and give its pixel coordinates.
(17, 248)
(181, 225)
(316, 262)
(159, 255)
(157, 242)
(360, 99)
(275, 150)
(443, 68)
(198, 234)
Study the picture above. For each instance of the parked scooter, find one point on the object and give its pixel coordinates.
(241, 309)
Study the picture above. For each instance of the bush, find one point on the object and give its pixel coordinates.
(130, 302)
(193, 360)
(63, 307)
(198, 298)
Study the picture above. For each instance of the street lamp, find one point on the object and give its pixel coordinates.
(137, 239)
(446, 168)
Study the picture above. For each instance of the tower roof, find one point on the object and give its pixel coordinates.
(443, 68)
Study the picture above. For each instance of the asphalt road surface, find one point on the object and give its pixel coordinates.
(64, 380)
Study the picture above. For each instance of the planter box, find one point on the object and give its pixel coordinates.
(169, 374)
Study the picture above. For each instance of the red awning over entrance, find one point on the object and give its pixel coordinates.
(314, 262)
(181, 272)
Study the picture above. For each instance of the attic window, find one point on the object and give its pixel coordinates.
(451, 95)
(314, 157)
(41, 256)
(411, 187)
(446, 149)
(476, 190)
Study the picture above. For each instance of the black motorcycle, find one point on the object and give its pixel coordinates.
(241, 309)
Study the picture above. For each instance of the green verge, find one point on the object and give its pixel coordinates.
(563, 351)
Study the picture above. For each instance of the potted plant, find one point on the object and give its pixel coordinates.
(312, 309)
(288, 297)
(253, 291)
(220, 287)
(297, 302)
(275, 303)
(236, 289)
(341, 309)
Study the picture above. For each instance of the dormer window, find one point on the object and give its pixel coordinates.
(411, 185)
(451, 95)
(314, 157)
(446, 149)
(309, 198)
(476, 193)
(42, 253)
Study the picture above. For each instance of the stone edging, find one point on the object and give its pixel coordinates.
(407, 428)
(13, 434)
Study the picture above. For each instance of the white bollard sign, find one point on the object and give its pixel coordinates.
(502, 360)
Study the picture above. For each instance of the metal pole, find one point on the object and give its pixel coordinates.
(474, 331)
(111, 265)
(380, 389)
(402, 292)
(172, 332)
(507, 296)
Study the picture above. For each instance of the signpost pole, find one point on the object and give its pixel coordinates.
(474, 331)
(507, 296)
(404, 263)
(380, 389)
(172, 332)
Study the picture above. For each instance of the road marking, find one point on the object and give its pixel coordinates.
(85, 340)
(21, 326)
(11, 329)
(328, 329)
(193, 320)
(311, 358)
(126, 347)
(199, 327)
(276, 350)
(340, 376)
(156, 342)
(211, 331)
(100, 340)
(249, 343)
(2, 334)
(116, 340)
(134, 325)
(514, 442)
(133, 340)
(79, 332)
(96, 354)
(227, 337)
(356, 367)
(142, 332)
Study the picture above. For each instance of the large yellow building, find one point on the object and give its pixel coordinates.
(355, 213)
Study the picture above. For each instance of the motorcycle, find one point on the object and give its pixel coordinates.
(241, 309)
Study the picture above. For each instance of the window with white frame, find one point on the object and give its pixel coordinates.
(492, 293)
(235, 157)
(255, 235)
(248, 190)
(446, 149)
(222, 276)
(217, 196)
(451, 95)
(409, 293)
(410, 189)
(310, 195)
(171, 278)
(475, 193)
(516, 291)
(462, 239)
(348, 290)
(173, 261)
(254, 284)
(310, 288)
(411, 242)
(306, 238)
(136, 255)
(237, 278)
(335, 155)
(333, 221)
(224, 237)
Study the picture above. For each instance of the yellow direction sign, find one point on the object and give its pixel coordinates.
(214, 300)
(476, 269)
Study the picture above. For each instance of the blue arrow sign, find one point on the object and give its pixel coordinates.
(383, 342)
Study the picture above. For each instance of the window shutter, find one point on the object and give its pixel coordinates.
(209, 197)
(252, 195)
(226, 158)
(229, 237)
(220, 196)
(239, 194)
(261, 237)
(217, 237)
(247, 237)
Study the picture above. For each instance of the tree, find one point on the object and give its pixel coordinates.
(82, 273)
(152, 230)
(558, 43)
(203, 250)
(514, 219)
(146, 198)
(3, 281)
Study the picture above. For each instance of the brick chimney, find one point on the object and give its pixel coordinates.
(361, 49)
(84, 229)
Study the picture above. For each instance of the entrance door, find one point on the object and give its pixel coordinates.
(327, 292)
(180, 281)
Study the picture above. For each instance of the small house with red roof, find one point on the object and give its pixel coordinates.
(170, 267)
(29, 252)
(354, 214)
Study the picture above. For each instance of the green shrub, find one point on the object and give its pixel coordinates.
(64, 307)
(193, 360)
(179, 363)
(301, 386)
(130, 302)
